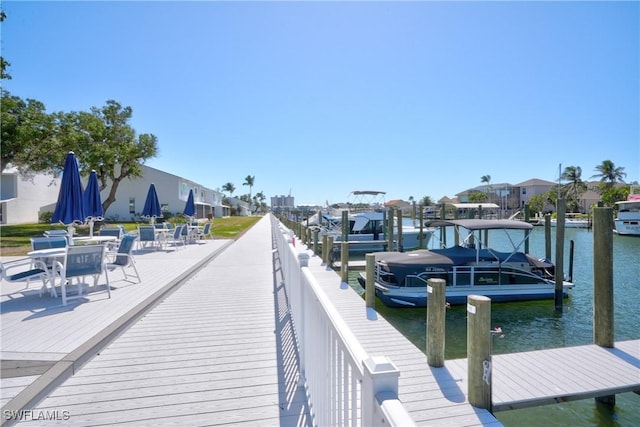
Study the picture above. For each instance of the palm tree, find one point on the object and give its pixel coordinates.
(575, 186)
(486, 179)
(609, 173)
(229, 188)
(249, 180)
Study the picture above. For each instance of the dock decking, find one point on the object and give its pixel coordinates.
(219, 350)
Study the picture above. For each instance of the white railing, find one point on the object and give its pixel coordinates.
(345, 386)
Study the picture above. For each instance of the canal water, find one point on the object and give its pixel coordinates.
(536, 325)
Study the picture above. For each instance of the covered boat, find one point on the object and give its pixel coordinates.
(470, 268)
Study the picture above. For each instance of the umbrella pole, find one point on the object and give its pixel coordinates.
(91, 228)
(70, 231)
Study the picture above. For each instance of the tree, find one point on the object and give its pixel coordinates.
(3, 63)
(426, 201)
(229, 188)
(258, 200)
(107, 144)
(575, 187)
(477, 197)
(609, 174)
(249, 180)
(29, 140)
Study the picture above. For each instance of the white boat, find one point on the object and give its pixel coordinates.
(368, 222)
(572, 221)
(627, 221)
(365, 227)
(469, 269)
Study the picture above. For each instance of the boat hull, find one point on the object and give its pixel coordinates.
(627, 227)
(413, 298)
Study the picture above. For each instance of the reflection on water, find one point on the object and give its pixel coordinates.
(536, 325)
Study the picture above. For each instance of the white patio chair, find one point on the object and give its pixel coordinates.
(177, 238)
(24, 269)
(147, 236)
(204, 233)
(123, 257)
(81, 261)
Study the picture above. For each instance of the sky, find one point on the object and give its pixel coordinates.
(318, 99)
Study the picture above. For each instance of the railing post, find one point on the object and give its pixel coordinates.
(479, 351)
(303, 259)
(436, 322)
(380, 375)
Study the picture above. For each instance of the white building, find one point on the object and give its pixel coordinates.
(23, 198)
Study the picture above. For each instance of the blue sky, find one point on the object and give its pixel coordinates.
(318, 99)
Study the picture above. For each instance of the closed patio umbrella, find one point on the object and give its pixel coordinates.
(92, 202)
(190, 207)
(151, 207)
(69, 208)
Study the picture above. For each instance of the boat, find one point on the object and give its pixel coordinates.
(368, 220)
(627, 221)
(573, 221)
(471, 268)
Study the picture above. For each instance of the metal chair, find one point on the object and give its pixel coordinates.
(177, 237)
(124, 258)
(147, 236)
(114, 232)
(205, 232)
(35, 269)
(79, 262)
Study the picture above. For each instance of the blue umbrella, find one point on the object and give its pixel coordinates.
(69, 208)
(92, 201)
(151, 208)
(190, 207)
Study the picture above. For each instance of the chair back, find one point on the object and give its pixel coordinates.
(177, 232)
(185, 230)
(115, 232)
(207, 228)
(124, 250)
(38, 243)
(147, 233)
(84, 260)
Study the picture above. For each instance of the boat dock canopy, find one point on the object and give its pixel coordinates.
(475, 205)
(481, 224)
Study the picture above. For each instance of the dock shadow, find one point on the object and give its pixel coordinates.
(448, 384)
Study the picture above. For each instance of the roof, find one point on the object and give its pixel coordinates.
(475, 205)
(481, 224)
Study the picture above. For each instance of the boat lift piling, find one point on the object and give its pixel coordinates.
(436, 307)
(479, 351)
(559, 264)
(390, 230)
(603, 308)
(370, 285)
(399, 219)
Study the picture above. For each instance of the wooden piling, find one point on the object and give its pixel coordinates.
(479, 351)
(527, 218)
(390, 230)
(399, 219)
(325, 246)
(443, 229)
(436, 301)
(315, 242)
(344, 261)
(603, 277)
(329, 259)
(547, 236)
(421, 236)
(603, 308)
(370, 287)
(345, 226)
(559, 264)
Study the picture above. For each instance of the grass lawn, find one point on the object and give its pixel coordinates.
(14, 239)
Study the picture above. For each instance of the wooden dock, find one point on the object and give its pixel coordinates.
(218, 349)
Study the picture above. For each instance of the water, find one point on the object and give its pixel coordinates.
(536, 325)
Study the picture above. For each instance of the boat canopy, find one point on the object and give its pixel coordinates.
(481, 224)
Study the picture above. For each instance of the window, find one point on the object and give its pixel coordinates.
(132, 205)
